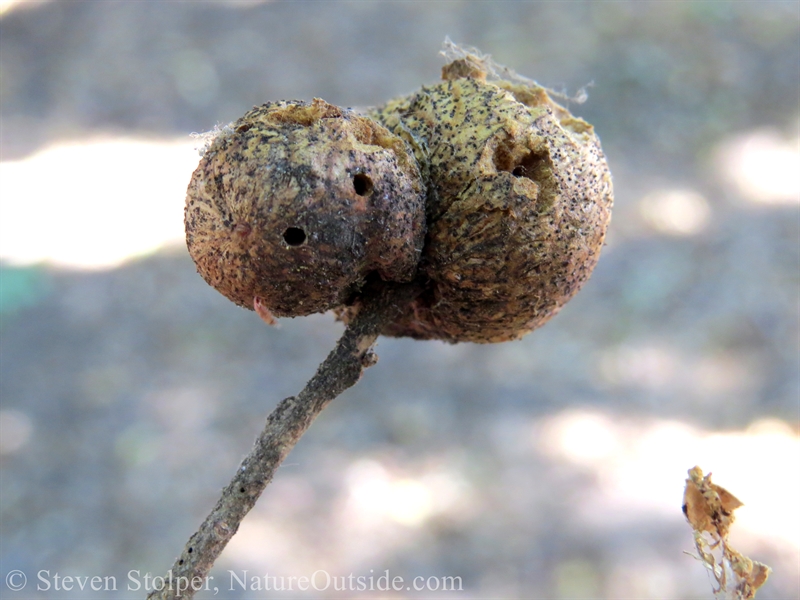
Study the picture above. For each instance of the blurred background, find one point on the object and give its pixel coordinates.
(552, 467)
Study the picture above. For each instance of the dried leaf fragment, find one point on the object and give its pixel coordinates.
(709, 509)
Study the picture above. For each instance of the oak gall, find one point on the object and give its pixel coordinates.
(490, 195)
(298, 203)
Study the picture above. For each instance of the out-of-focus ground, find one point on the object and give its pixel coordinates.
(552, 467)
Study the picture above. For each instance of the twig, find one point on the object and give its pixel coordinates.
(290, 419)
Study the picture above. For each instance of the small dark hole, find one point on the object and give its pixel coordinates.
(518, 171)
(190, 550)
(294, 236)
(180, 562)
(242, 490)
(362, 184)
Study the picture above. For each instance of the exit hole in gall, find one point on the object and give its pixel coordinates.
(294, 236)
(362, 184)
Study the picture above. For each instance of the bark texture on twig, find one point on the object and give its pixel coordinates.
(340, 370)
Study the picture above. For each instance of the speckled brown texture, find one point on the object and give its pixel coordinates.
(517, 201)
(296, 203)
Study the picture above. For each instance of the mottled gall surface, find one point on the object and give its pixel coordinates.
(295, 204)
(489, 194)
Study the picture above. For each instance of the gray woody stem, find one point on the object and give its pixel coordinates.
(290, 419)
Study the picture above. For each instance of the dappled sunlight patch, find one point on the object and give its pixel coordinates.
(94, 204)
(378, 495)
(582, 437)
(262, 541)
(762, 165)
(16, 428)
(8, 5)
(640, 468)
(675, 211)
